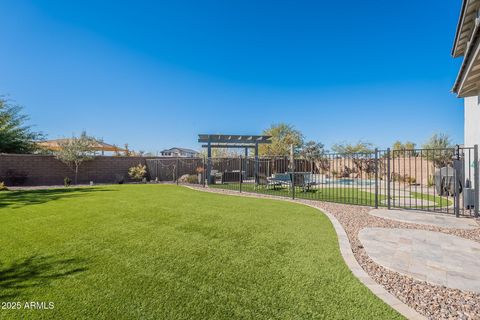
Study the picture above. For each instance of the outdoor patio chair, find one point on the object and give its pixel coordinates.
(215, 176)
(231, 176)
(300, 181)
(308, 181)
(263, 180)
(283, 179)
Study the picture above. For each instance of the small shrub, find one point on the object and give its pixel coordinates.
(16, 178)
(345, 173)
(192, 179)
(430, 181)
(67, 182)
(183, 178)
(119, 179)
(3, 187)
(395, 177)
(410, 180)
(137, 172)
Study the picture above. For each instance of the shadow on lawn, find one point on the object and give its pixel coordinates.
(35, 271)
(21, 198)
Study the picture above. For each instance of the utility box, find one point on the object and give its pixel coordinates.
(469, 198)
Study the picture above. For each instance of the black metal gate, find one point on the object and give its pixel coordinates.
(439, 180)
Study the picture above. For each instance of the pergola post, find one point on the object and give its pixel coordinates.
(209, 162)
(246, 163)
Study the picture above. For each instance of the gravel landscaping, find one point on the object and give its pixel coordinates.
(433, 301)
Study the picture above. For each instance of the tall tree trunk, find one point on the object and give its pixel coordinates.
(76, 173)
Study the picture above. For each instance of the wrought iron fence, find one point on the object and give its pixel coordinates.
(439, 180)
(178, 170)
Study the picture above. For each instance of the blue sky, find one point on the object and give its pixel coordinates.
(157, 73)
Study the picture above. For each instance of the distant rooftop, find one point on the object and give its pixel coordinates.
(180, 149)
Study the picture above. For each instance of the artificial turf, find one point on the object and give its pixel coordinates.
(167, 252)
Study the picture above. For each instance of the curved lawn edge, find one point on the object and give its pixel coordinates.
(345, 250)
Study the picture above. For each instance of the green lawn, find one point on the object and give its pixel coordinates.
(167, 252)
(439, 201)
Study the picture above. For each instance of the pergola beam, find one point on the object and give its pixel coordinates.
(229, 146)
(222, 138)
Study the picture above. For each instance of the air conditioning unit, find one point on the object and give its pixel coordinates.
(469, 198)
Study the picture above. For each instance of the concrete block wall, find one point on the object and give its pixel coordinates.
(47, 170)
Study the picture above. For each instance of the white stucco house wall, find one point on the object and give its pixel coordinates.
(472, 121)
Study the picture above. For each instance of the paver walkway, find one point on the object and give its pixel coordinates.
(426, 255)
(426, 218)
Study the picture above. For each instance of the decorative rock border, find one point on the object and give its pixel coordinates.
(345, 250)
(358, 272)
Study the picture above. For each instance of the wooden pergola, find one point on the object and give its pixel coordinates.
(245, 142)
(55, 145)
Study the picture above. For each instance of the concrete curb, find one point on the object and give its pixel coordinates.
(346, 252)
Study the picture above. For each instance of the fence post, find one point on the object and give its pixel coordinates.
(456, 176)
(388, 178)
(476, 177)
(292, 165)
(176, 170)
(240, 173)
(376, 178)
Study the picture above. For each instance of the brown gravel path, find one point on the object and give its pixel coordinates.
(432, 301)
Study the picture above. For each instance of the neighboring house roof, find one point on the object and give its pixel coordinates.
(54, 145)
(467, 44)
(184, 150)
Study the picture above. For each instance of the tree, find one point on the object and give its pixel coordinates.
(128, 152)
(312, 150)
(397, 145)
(220, 153)
(438, 141)
(350, 149)
(15, 135)
(360, 154)
(315, 152)
(76, 150)
(402, 149)
(439, 149)
(283, 135)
